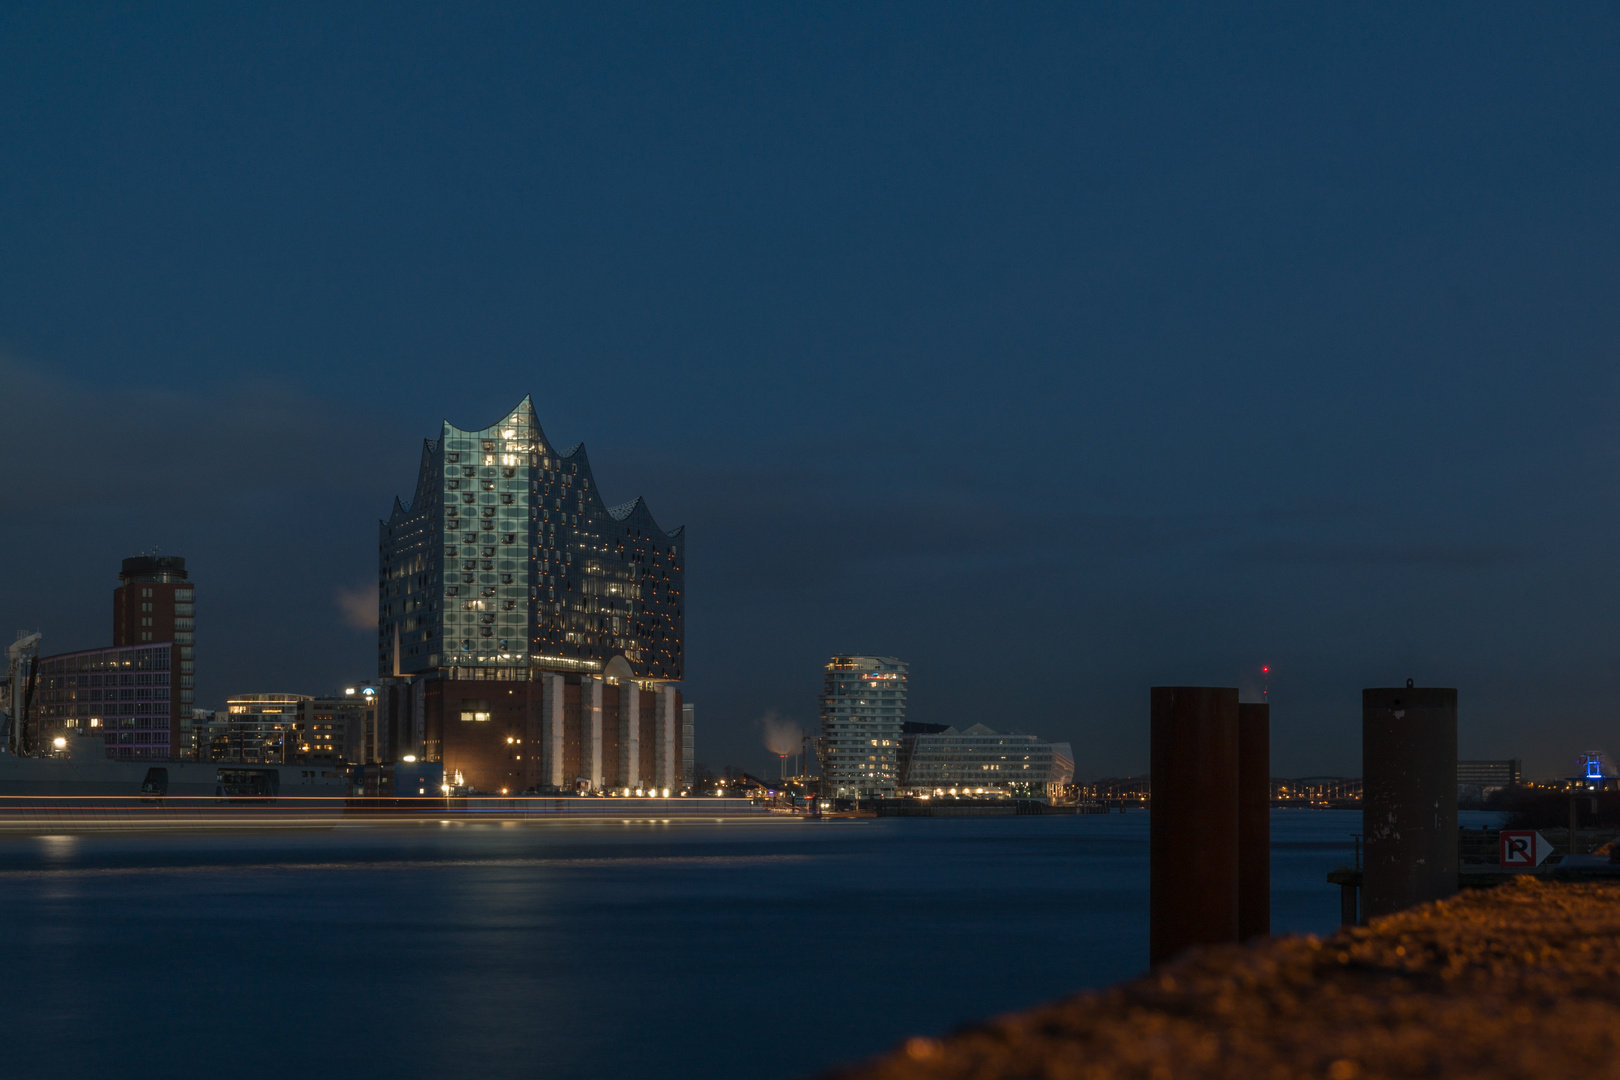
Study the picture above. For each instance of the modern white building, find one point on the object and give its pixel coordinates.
(688, 746)
(863, 707)
(981, 761)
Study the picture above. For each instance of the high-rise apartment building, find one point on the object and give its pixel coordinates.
(156, 601)
(863, 707)
(530, 635)
(139, 691)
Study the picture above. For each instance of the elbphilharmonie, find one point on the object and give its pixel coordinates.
(530, 635)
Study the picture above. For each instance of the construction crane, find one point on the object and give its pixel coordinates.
(22, 670)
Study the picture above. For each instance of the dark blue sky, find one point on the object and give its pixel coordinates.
(1059, 351)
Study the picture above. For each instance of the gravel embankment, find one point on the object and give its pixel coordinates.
(1522, 980)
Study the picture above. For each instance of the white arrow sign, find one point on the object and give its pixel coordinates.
(1524, 848)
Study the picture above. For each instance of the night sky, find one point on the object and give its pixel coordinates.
(1059, 351)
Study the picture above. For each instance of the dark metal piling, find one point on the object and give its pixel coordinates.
(1349, 914)
(1254, 821)
(1194, 827)
(1409, 797)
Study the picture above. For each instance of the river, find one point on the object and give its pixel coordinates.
(582, 950)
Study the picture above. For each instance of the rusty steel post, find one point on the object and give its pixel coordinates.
(1254, 821)
(1409, 796)
(1194, 827)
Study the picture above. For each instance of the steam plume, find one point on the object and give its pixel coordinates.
(782, 736)
(359, 608)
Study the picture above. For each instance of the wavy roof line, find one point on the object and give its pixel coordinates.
(526, 407)
(432, 447)
(624, 509)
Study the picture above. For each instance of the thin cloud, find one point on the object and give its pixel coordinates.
(359, 608)
(77, 445)
(1430, 555)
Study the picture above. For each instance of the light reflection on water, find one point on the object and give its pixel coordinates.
(579, 950)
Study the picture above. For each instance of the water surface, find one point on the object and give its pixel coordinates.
(575, 949)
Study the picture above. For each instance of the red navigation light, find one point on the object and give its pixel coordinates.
(1265, 670)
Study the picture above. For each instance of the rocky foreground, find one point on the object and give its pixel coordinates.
(1522, 980)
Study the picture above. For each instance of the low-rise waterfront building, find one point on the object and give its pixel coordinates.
(285, 729)
(259, 729)
(130, 693)
(362, 735)
(1315, 790)
(195, 735)
(1112, 789)
(982, 761)
(1487, 775)
(334, 728)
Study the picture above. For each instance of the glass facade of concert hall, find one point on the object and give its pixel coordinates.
(507, 562)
